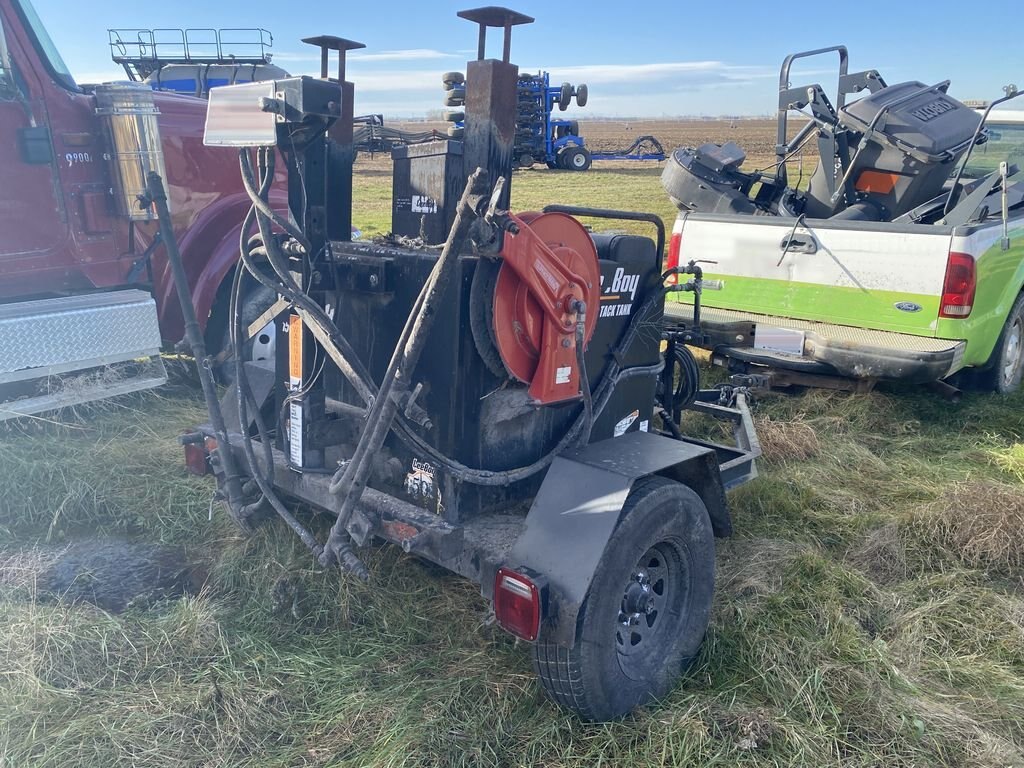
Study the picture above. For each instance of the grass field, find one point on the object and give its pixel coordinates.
(869, 609)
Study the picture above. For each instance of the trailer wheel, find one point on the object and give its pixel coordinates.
(455, 115)
(576, 159)
(647, 610)
(456, 132)
(564, 96)
(581, 95)
(456, 97)
(453, 78)
(1004, 375)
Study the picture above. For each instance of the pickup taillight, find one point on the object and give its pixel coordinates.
(958, 286)
(675, 244)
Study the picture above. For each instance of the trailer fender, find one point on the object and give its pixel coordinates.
(580, 503)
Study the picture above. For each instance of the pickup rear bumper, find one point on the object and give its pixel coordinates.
(828, 349)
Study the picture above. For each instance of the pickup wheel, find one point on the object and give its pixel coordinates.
(1004, 374)
(647, 610)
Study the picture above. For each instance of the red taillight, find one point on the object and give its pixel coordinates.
(517, 604)
(197, 453)
(675, 244)
(958, 287)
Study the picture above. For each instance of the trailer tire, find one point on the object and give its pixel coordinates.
(581, 96)
(665, 537)
(456, 97)
(564, 96)
(576, 159)
(455, 115)
(453, 78)
(456, 132)
(1003, 375)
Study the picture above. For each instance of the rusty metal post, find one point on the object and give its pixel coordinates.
(491, 100)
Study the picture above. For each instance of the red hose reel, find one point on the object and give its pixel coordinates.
(549, 263)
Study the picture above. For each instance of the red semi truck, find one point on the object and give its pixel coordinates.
(84, 282)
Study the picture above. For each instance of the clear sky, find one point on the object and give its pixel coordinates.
(651, 58)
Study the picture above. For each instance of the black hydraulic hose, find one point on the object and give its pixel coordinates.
(588, 397)
(245, 397)
(312, 314)
(350, 482)
(686, 388)
(232, 480)
(260, 201)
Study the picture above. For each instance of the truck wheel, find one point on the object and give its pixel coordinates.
(257, 300)
(1004, 375)
(647, 610)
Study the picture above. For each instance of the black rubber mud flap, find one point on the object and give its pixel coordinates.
(580, 503)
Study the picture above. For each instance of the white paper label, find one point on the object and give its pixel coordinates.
(626, 423)
(562, 375)
(295, 434)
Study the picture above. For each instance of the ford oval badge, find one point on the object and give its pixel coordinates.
(907, 306)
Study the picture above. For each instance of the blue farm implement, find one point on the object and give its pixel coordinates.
(540, 137)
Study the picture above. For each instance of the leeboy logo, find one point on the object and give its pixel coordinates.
(617, 297)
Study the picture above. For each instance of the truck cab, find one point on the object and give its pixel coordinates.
(79, 257)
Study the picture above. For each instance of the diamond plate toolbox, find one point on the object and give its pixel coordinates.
(73, 332)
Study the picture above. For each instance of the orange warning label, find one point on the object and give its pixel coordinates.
(295, 348)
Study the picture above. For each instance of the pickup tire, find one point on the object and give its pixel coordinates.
(1003, 375)
(647, 610)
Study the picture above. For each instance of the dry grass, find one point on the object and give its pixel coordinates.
(980, 523)
(787, 440)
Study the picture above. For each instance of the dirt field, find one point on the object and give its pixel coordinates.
(757, 137)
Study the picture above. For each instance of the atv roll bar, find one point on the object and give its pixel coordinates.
(1011, 93)
(788, 97)
(782, 148)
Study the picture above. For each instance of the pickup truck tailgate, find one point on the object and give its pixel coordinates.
(842, 272)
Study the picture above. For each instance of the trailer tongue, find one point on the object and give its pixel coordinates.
(500, 405)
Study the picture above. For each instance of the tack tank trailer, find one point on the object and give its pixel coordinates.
(495, 399)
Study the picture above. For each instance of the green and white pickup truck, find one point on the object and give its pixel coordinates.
(897, 264)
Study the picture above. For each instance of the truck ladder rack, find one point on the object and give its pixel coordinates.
(144, 51)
